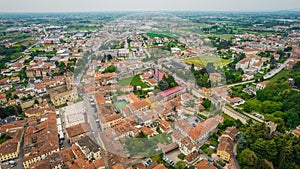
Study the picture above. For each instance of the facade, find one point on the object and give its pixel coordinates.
(65, 93)
(226, 143)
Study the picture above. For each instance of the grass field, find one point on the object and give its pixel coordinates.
(160, 35)
(203, 60)
(281, 75)
(223, 36)
(125, 82)
(120, 105)
(136, 81)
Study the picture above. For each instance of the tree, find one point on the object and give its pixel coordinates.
(247, 158)
(270, 107)
(292, 118)
(261, 164)
(180, 164)
(206, 103)
(265, 149)
(163, 85)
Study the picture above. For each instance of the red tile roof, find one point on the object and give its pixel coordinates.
(168, 92)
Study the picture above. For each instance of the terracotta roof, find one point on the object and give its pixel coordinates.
(137, 105)
(118, 166)
(78, 129)
(147, 130)
(204, 127)
(159, 166)
(170, 91)
(192, 156)
(204, 164)
(2, 95)
(99, 163)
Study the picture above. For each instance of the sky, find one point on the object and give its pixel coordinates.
(146, 5)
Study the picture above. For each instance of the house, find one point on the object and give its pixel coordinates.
(204, 164)
(160, 166)
(3, 98)
(225, 149)
(201, 132)
(226, 143)
(138, 106)
(110, 121)
(40, 88)
(247, 76)
(170, 92)
(4, 81)
(146, 117)
(89, 148)
(261, 85)
(243, 64)
(192, 157)
(186, 146)
(78, 131)
(41, 139)
(148, 131)
(215, 77)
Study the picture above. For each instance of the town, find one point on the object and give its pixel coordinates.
(150, 90)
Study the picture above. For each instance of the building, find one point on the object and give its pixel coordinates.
(66, 93)
(10, 149)
(41, 139)
(110, 121)
(201, 132)
(3, 98)
(204, 164)
(78, 131)
(89, 148)
(226, 143)
(215, 77)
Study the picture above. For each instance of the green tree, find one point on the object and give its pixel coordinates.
(292, 118)
(247, 158)
(163, 85)
(265, 149)
(261, 164)
(180, 164)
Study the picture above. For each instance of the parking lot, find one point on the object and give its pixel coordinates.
(173, 156)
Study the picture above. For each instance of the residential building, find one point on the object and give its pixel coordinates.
(40, 140)
(226, 143)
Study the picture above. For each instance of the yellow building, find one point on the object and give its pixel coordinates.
(9, 150)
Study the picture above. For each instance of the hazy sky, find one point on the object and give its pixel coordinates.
(145, 5)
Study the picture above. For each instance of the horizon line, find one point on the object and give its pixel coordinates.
(214, 11)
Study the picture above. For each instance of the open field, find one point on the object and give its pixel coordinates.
(120, 105)
(160, 35)
(203, 60)
(222, 36)
(125, 82)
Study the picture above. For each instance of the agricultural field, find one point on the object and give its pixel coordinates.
(203, 60)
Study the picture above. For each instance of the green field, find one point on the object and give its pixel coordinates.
(203, 60)
(136, 81)
(160, 35)
(125, 82)
(223, 36)
(281, 75)
(120, 105)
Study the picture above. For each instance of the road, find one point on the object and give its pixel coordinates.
(21, 154)
(92, 116)
(277, 70)
(241, 83)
